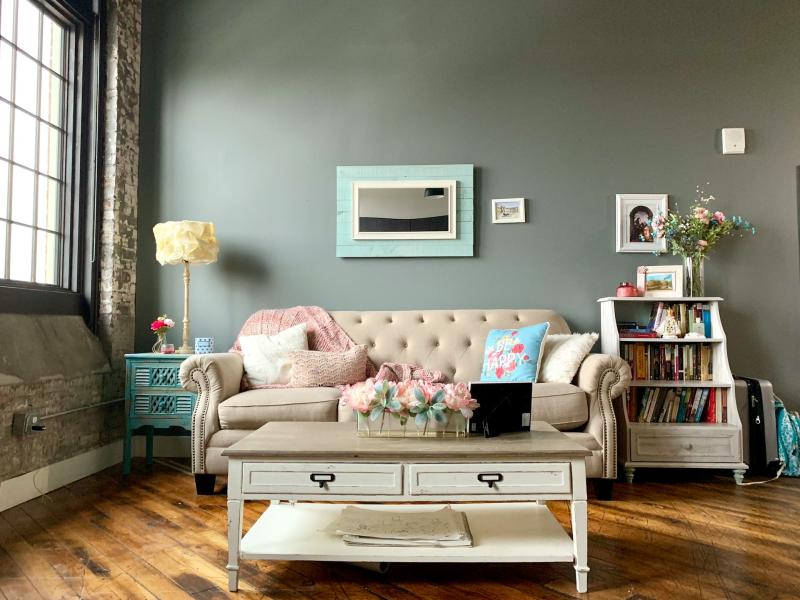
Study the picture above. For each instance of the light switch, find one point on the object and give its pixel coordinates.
(733, 140)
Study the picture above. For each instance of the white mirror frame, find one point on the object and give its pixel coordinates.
(450, 234)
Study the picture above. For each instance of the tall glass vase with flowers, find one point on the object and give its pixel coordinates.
(692, 236)
(160, 327)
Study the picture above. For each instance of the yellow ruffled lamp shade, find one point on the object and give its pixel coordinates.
(185, 242)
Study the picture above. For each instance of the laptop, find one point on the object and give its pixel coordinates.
(504, 407)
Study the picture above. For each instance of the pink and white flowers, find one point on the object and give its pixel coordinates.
(360, 396)
(162, 325)
(406, 399)
(458, 398)
(694, 235)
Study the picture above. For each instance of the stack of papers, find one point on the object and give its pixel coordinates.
(441, 528)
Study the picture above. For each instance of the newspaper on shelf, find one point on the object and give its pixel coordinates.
(432, 528)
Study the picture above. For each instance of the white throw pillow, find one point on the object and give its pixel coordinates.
(266, 357)
(563, 355)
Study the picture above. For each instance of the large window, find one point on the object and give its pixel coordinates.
(46, 150)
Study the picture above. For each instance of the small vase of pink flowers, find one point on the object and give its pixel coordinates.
(160, 327)
(410, 408)
(692, 236)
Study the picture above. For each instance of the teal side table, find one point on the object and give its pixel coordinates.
(155, 402)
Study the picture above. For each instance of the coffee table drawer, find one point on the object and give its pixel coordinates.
(496, 479)
(324, 479)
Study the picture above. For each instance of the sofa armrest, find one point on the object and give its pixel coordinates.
(603, 378)
(213, 377)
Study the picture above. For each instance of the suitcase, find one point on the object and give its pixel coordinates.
(756, 405)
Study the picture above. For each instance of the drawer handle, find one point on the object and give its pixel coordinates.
(490, 478)
(322, 478)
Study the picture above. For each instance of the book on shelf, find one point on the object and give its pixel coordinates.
(686, 313)
(677, 405)
(669, 361)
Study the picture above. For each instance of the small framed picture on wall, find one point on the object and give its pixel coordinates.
(633, 229)
(660, 281)
(508, 210)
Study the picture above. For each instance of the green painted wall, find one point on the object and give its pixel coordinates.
(249, 106)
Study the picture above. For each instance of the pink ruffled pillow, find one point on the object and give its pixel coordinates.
(328, 369)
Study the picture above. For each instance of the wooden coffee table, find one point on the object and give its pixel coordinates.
(505, 481)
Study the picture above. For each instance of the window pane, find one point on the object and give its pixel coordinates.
(26, 75)
(49, 150)
(22, 196)
(50, 103)
(5, 70)
(3, 191)
(5, 128)
(47, 215)
(21, 253)
(7, 19)
(24, 139)
(53, 45)
(3, 231)
(46, 257)
(28, 28)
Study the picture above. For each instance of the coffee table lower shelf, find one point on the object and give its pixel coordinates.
(502, 532)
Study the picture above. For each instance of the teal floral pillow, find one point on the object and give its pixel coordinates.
(513, 354)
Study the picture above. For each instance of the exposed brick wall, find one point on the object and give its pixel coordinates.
(60, 386)
(120, 184)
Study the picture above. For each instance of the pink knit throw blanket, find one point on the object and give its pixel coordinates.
(324, 334)
(406, 372)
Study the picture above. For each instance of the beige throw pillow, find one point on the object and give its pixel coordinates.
(314, 369)
(563, 355)
(266, 357)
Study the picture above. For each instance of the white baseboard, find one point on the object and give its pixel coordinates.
(46, 479)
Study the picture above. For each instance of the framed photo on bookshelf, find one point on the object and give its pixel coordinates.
(660, 281)
(634, 213)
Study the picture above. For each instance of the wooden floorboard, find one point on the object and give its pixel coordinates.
(679, 535)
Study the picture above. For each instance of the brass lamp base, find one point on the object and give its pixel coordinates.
(185, 350)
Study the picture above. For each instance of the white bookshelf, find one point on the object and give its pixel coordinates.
(674, 445)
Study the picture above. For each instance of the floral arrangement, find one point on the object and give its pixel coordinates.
(695, 234)
(162, 325)
(423, 401)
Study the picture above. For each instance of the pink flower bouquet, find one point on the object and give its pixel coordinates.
(425, 402)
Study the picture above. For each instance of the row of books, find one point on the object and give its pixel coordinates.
(685, 313)
(669, 362)
(678, 405)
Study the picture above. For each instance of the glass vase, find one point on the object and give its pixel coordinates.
(393, 426)
(695, 276)
(161, 339)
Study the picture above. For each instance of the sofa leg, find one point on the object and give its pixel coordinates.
(604, 489)
(204, 482)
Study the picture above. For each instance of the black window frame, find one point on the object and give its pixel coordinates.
(77, 291)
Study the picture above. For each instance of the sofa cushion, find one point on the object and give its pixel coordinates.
(513, 354)
(327, 369)
(251, 409)
(563, 405)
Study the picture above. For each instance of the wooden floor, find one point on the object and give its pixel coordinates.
(691, 536)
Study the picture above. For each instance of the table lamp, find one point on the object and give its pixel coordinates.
(185, 242)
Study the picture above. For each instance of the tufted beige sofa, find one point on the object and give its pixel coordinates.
(451, 341)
